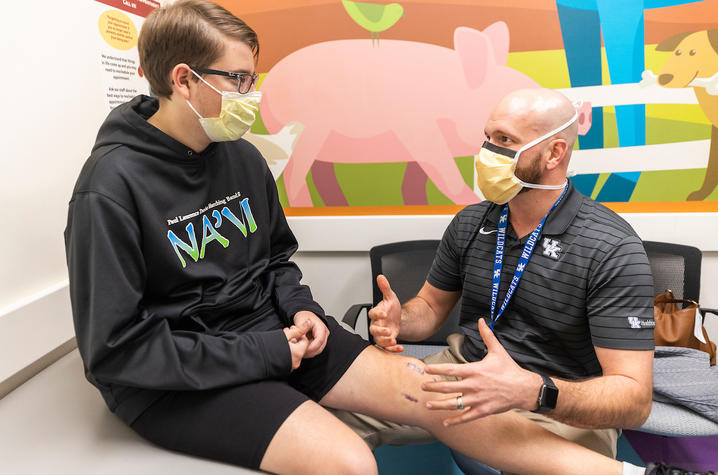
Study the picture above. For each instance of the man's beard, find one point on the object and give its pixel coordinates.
(530, 174)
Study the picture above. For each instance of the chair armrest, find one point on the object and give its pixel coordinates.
(351, 315)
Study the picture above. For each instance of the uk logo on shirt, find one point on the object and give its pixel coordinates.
(551, 248)
(636, 322)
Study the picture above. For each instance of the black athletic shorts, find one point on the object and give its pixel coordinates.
(236, 424)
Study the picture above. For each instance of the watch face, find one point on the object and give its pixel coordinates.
(550, 397)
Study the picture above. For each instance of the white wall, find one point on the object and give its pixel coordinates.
(51, 109)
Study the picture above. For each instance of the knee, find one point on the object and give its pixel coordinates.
(354, 460)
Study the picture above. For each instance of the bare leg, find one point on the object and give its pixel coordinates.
(312, 441)
(384, 386)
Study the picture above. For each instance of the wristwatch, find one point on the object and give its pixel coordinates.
(548, 396)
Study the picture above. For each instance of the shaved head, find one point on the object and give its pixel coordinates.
(539, 111)
(526, 115)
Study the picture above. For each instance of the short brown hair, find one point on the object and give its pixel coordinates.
(187, 31)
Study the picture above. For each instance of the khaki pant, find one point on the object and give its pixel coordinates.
(377, 432)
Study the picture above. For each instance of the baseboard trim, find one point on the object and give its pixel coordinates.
(25, 374)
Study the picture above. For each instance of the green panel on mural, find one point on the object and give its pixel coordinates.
(681, 112)
(434, 196)
(258, 127)
(466, 168)
(610, 129)
(378, 184)
(375, 184)
(658, 130)
(670, 131)
(670, 185)
(282, 192)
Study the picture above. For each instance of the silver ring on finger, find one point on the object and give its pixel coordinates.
(459, 403)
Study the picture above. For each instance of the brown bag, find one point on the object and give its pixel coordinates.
(675, 326)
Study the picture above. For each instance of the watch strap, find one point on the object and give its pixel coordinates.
(548, 396)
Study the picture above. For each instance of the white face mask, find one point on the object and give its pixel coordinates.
(496, 166)
(235, 118)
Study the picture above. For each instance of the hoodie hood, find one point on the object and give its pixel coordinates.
(127, 125)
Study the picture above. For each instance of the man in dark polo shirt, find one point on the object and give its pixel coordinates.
(563, 281)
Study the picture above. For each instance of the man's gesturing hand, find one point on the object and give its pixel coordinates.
(490, 386)
(386, 317)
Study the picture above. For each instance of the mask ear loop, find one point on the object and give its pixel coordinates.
(193, 109)
(203, 80)
(536, 141)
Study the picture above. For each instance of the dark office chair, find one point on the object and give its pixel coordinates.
(675, 267)
(405, 264)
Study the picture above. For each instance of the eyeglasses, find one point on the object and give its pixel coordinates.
(244, 81)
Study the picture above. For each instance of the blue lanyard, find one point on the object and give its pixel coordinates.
(523, 260)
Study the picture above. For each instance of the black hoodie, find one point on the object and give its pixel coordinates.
(179, 266)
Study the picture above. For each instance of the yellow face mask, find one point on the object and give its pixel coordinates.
(236, 116)
(496, 165)
(495, 173)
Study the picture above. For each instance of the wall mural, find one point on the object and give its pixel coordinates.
(376, 105)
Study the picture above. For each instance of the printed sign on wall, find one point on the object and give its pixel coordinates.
(118, 24)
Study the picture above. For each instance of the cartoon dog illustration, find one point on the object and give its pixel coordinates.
(694, 63)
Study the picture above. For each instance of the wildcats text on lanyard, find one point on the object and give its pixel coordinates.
(523, 260)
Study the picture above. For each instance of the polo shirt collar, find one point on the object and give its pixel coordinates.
(558, 221)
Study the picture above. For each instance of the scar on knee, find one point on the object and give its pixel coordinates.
(414, 367)
(410, 397)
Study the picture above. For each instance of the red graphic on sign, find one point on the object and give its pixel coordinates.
(138, 7)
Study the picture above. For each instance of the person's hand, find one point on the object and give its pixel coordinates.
(298, 343)
(317, 332)
(490, 386)
(386, 318)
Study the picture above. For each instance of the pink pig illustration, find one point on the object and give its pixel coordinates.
(403, 102)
